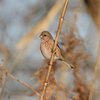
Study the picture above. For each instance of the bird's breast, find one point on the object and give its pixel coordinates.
(46, 48)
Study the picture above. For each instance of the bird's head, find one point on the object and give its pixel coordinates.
(45, 36)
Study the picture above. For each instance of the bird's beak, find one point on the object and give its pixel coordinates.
(41, 36)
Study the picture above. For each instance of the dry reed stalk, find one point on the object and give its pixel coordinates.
(54, 48)
(95, 72)
(44, 23)
(18, 80)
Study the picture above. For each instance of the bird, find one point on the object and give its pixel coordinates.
(46, 47)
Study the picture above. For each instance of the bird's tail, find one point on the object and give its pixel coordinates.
(65, 62)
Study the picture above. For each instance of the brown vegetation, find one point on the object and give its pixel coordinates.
(61, 85)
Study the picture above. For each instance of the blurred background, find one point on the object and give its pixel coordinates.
(22, 21)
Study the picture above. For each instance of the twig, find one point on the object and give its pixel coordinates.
(95, 73)
(54, 48)
(19, 81)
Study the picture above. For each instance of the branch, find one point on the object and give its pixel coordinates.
(54, 48)
(19, 81)
(95, 73)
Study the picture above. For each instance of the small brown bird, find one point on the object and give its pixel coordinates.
(47, 43)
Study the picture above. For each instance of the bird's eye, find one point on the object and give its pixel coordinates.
(44, 35)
